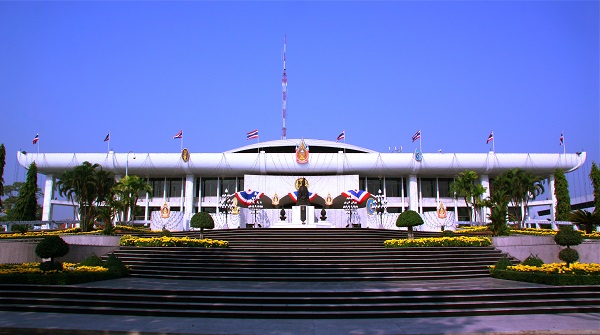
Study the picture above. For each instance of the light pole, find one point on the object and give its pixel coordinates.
(226, 204)
(350, 206)
(380, 205)
(127, 162)
(256, 206)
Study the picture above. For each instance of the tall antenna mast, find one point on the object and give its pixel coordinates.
(284, 93)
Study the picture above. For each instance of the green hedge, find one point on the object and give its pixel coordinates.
(59, 278)
(546, 278)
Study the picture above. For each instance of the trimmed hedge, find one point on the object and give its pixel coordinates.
(546, 278)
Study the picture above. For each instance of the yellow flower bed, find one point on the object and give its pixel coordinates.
(472, 229)
(550, 232)
(560, 268)
(458, 241)
(6, 269)
(164, 241)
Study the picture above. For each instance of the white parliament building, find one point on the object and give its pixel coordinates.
(254, 185)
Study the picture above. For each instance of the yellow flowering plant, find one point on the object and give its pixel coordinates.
(458, 241)
(165, 241)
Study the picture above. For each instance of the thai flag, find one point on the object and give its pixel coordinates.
(179, 134)
(341, 136)
(357, 195)
(248, 197)
(107, 138)
(36, 138)
(294, 196)
(252, 134)
(562, 139)
(490, 138)
(416, 136)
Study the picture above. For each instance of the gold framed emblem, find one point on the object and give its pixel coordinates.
(298, 182)
(165, 211)
(185, 155)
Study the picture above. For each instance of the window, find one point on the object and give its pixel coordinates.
(158, 187)
(229, 185)
(174, 187)
(374, 185)
(428, 188)
(209, 187)
(393, 187)
(444, 187)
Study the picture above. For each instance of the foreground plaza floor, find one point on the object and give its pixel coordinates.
(56, 323)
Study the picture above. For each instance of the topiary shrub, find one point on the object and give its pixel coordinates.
(409, 219)
(448, 233)
(92, 260)
(51, 266)
(52, 247)
(566, 236)
(114, 264)
(165, 233)
(502, 263)
(533, 260)
(203, 221)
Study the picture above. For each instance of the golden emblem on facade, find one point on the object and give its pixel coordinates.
(165, 211)
(298, 182)
(185, 155)
(441, 211)
(302, 152)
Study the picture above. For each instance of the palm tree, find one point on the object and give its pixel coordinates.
(467, 187)
(585, 219)
(87, 186)
(525, 186)
(128, 190)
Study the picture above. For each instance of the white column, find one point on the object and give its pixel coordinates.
(551, 182)
(147, 203)
(199, 194)
(402, 181)
(189, 200)
(413, 193)
(48, 196)
(485, 182)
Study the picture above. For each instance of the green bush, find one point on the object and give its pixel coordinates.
(546, 278)
(448, 233)
(203, 221)
(51, 266)
(21, 228)
(566, 236)
(533, 260)
(114, 264)
(52, 247)
(502, 263)
(166, 233)
(409, 219)
(568, 255)
(92, 260)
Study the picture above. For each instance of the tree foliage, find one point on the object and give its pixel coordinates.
(561, 193)
(595, 178)
(585, 220)
(498, 204)
(409, 219)
(52, 247)
(128, 191)
(467, 186)
(566, 236)
(521, 186)
(88, 185)
(26, 205)
(203, 221)
(12, 192)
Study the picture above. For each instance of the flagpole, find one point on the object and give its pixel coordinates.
(564, 144)
(420, 142)
(181, 143)
(493, 143)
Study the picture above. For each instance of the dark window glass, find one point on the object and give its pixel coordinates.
(428, 187)
(444, 187)
(158, 187)
(228, 184)
(174, 187)
(209, 187)
(393, 187)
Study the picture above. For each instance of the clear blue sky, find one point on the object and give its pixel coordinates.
(457, 70)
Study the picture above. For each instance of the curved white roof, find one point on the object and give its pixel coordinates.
(275, 159)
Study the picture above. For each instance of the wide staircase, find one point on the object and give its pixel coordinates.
(321, 273)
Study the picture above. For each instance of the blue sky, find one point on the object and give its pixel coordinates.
(456, 70)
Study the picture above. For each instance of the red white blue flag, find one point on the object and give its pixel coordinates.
(179, 134)
(357, 195)
(416, 136)
(107, 138)
(36, 138)
(562, 138)
(294, 196)
(490, 138)
(248, 197)
(341, 136)
(252, 134)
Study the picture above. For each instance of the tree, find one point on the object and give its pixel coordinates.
(498, 204)
(12, 194)
(51, 247)
(203, 221)
(561, 193)
(409, 219)
(522, 186)
(466, 186)
(128, 191)
(2, 163)
(566, 236)
(87, 186)
(26, 204)
(595, 178)
(586, 220)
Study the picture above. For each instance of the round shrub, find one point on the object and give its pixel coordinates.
(203, 221)
(92, 260)
(166, 233)
(568, 255)
(114, 264)
(533, 260)
(566, 236)
(448, 233)
(51, 247)
(51, 266)
(409, 219)
(502, 263)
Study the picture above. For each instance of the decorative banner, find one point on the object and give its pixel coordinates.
(418, 155)
(294, 196)
(248, 197)
(358, 195)
(185, 155)
(302, 152)
(165, 211)
(441, 211)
